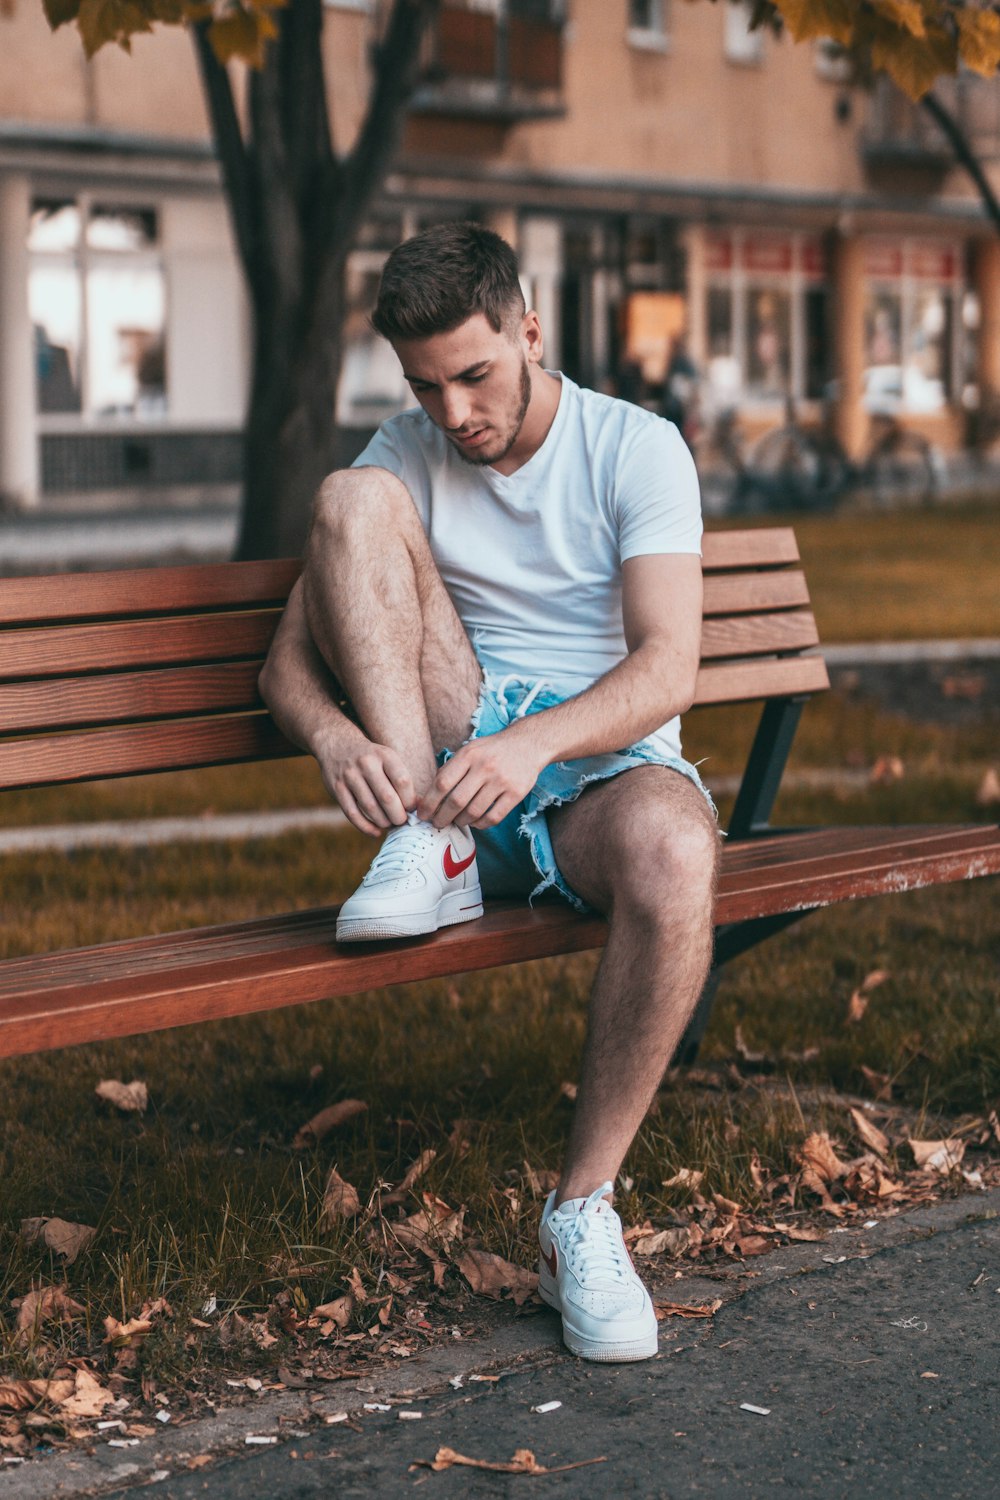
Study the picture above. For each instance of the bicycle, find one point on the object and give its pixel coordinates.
(806, 468)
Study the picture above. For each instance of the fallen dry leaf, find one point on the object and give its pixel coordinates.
(44, 1304)
(540, 1182)
(89, 1397)
(687, 1177)
(664, 1242)
(58, 1235)
(886, 770)
(523, 1462)
(132, 1096)
(795, 1233)
(988, 791)
(817, 1153)
(968, 685)
(433, 1227)
(568, 1091)
(121, 1334)
(338, 1312)
(752, 1244)
(858, 1003)
(869, 1133)
(320, 1125)
(937, 1156)
(747, 1055)
(490, 1276)
(340, 1199)
(23, 1395)
(686, 1309)
(879, 1083)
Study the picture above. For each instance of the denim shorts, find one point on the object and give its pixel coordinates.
(516, 857)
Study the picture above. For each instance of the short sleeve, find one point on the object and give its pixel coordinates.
(399, 447)
(657, 497)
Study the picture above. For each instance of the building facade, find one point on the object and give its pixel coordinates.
(677, 187)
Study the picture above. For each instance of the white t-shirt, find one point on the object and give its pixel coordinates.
(532, 560)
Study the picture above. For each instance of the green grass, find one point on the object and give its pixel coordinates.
(900, 575)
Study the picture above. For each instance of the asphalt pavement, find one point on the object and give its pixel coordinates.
(867, 1363)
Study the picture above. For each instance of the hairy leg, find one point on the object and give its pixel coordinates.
(642, 849)
(383, 622)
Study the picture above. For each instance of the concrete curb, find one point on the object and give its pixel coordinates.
(142, 832)
(521, 1344)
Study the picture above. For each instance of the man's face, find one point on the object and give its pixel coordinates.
(473, 383)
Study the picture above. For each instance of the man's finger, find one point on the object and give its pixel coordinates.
(353, 813)
(452, 809)
(444, 782)
(365, 799)
(387, 796)
(498, 811)
(400, 779)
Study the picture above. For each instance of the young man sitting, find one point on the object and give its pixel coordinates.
(507, 587)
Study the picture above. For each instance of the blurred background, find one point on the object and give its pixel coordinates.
(710, 221)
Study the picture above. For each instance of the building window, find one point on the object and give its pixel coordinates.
(912, 318)
(767, 315)
(97, 296)
(648, 24)
(740, 43)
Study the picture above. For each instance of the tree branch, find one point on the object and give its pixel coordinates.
(229, 145)
(395, 79)
(305, 117)
(964, 154)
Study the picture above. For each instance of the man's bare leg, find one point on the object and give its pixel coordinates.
(643, 849)
(383, 622)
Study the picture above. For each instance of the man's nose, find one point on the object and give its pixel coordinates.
(455, 404)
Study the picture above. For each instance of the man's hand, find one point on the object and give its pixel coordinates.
(483, 781)
(370, 783)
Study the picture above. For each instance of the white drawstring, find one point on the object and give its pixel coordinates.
(540, 686)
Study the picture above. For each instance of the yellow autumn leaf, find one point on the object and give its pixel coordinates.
(914, 63)
(58, 12)
(979, 40)
(244, 33)
(906, 14)
(810, 19)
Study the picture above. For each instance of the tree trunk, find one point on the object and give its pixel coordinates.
(289, 443)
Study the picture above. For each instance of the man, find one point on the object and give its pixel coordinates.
(507, 586)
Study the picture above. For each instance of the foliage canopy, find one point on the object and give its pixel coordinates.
(914, 41)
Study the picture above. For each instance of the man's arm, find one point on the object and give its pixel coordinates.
(661, 609)
(369, 781)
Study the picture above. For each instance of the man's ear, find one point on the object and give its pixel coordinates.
(531, 337)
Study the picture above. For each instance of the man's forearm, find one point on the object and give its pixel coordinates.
(628, 703)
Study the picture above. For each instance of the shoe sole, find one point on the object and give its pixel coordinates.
(460, 906)
(600, 1351)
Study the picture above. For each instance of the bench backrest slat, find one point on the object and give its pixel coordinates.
(179, 745)
(112, 674)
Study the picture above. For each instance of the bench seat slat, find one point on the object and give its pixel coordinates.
(738, 682)
(155, 983)
(146, 591)
(120, 696)
(135, 750)
(71, 650)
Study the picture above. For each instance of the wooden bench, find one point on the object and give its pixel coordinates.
(122, 674)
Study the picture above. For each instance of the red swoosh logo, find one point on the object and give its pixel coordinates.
(551, 1260)
(452, 866)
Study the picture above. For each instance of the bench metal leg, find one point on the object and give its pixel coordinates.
(765, 766)
(731, 940)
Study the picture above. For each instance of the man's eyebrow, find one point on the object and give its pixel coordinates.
(480, 364)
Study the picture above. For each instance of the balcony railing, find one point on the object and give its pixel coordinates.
(499, 61)
(899, 133)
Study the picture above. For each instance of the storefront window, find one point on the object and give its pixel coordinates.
(97, 295)
(768, 340)
(768, 320)
(910, 325)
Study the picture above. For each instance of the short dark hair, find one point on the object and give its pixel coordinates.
(444, 275)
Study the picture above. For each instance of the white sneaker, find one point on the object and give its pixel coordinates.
(586, 1273)
(421, 879)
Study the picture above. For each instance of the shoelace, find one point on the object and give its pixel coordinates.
(403, 848)
(593, 1243)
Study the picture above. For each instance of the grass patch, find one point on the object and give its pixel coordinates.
(205, 1195)
(898, 575)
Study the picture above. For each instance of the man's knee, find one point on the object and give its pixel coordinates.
(359, 501)
(666, 860)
